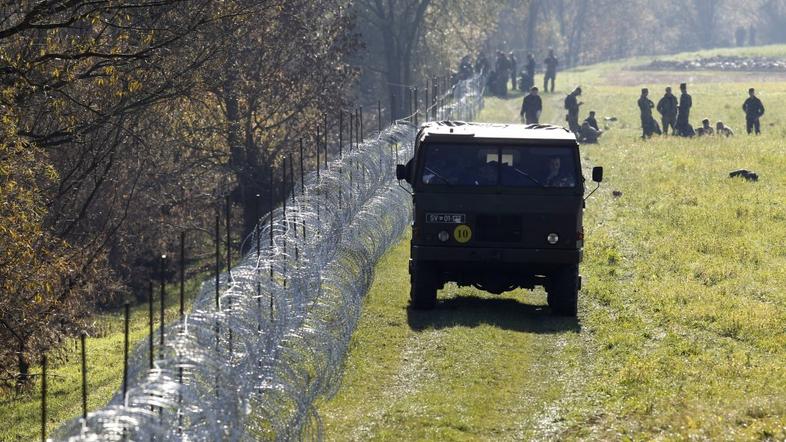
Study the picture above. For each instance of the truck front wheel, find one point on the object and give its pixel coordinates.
(423, 291)
(563, 291)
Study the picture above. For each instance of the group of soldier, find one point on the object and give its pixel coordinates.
(587, 132)
(505, 69)
(675, 115)
(674, 111)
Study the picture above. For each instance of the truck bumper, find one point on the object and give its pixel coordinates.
(489, 255)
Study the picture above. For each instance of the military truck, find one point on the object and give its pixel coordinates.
(497, 207)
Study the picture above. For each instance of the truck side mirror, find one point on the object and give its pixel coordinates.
(404, 172)
(597, 174)
(401, 172)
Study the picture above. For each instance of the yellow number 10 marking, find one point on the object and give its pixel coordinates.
(462, 233)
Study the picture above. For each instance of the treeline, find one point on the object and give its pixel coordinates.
(127, 122)
(584, 31)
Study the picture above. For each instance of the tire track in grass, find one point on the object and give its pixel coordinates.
(477, 367)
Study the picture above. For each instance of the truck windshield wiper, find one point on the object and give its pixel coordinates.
(526, 175)
(436, 174)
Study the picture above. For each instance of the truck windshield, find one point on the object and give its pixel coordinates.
(490, 165)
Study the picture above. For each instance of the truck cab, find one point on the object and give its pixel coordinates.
(497, 207)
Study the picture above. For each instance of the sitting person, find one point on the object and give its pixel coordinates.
(705, 129)
(723, 130)
(589, 133)
(592, 121)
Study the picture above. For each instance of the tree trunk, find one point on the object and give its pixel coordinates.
(23, 378)
(532, 24)
(577, 33)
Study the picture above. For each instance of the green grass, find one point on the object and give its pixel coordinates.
(682, 317)
(21, 414)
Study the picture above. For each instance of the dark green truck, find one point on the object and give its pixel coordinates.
(496, 207)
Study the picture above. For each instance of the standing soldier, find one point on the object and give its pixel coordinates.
(513, 69)
(683, 117)
(754, 109)
(531, 107)
(501, 68)
(645, 107)
(667, 107)
(551, 71)
(572, 104)
(482, 64)
(531, 65)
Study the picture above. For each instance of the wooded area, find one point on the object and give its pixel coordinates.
(126, 122)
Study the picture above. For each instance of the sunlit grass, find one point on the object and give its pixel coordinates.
(682, 315)
(21, 414)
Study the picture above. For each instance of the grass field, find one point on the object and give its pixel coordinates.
(682, 318)
(682, 325)
(20, 415)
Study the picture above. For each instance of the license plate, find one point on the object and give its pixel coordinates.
(446, 218)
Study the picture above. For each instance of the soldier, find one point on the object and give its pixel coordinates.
(531, 107)
(754, 109)
(572, 105)
(513, 69)
(667, 107)
(531, 65)
(705, 129)
(551, 70)
(645, 108)
(589, 129)
(482, 64)
(501, 67)
(465, 68)
(683, 117)
(593, 123)
(723, 130)
(525, 82)
(557, 177)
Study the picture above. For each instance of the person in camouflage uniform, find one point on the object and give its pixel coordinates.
(531, 65)
(531, 107)
(667, 108)
(551, 63)
(572, 105)
(684, 127)
(648, 126)
(723, 130)
(513, 69)
(705, 129)
(754, 109)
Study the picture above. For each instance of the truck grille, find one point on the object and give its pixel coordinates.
(498, 228)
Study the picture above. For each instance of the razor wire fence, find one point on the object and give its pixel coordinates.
(255, 352)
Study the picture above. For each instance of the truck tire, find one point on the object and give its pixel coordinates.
(423, 290)
(563, 291)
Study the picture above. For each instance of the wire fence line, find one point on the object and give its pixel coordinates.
(250, 363)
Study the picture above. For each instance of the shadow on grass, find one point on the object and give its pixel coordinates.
(507, 314)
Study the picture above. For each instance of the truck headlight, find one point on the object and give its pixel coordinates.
(443, 236)
(553, 238)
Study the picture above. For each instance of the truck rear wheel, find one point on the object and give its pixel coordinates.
(423, 290)
(563, 291)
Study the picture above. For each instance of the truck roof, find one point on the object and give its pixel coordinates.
(451, 130)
